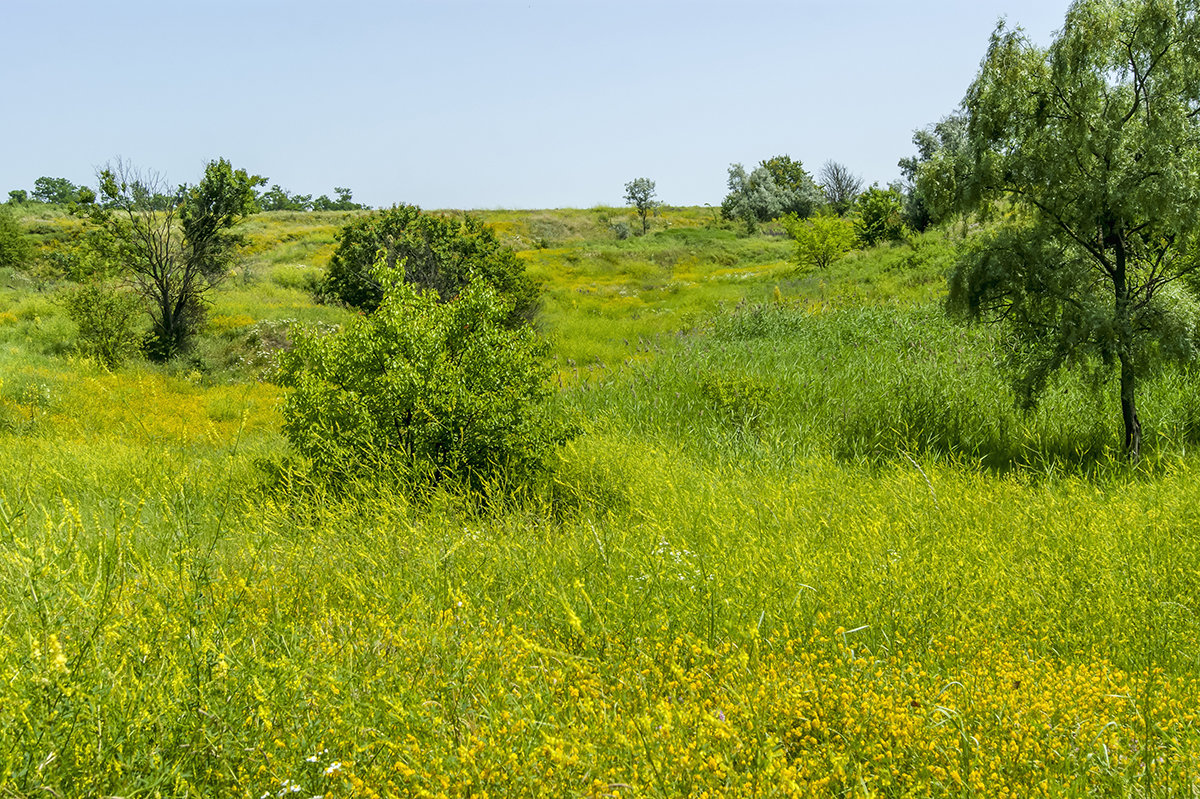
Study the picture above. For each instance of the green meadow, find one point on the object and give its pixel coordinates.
(807, 544)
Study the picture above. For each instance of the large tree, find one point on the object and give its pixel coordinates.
(173, 245)
(1096, 142)
(56, 190)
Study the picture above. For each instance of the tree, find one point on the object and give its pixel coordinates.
(344, 201)
(277, 199)
(1096, 142)
(776, 187)
(430, 390)
(799, 195)
(820, 240)
(639, 193)
(55, 190)
(938, 179)
(879, 216)
(841, 186)
(18, 196)
(438, 253)
(174, 246)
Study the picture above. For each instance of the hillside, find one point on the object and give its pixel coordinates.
(807, 545)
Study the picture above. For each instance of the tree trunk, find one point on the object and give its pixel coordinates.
(1133, 427)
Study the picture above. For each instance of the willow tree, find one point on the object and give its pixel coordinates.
(1096, 142)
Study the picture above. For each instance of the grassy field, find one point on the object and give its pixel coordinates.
(806, 546)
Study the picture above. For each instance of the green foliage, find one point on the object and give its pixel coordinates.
(739, 399)
(18, 196)
(107, 320)
(821, 240)
(344, 201)
(939, 176)
(1097, 142)
(879, 216)
(778, 186)
(639, 193)
(433, 391)
(277, 199)
(57, 190)
(15, 248)
(174, 247)
(207, 211)
(439, 253)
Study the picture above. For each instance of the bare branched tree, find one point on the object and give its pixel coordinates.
(841, 186)
(172, 244)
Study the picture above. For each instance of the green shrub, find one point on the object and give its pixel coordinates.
(432, 252)
(432, 391)
(820, 240)
(107, 319)
(14, 246)
(879, 217)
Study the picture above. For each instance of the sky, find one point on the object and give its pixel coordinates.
(486, 104)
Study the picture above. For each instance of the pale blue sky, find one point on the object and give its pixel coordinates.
(497, 104)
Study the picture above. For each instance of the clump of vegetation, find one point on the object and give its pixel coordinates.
(107, 319)
(441, 254)
(15, 248)
(431, 391)
(776, 187)
(820, 240)
(174, 247)
(879, 216)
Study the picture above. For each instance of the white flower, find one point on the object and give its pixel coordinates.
(334, 768)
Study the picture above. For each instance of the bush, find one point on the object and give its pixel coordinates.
(880, 216)
(431, 391)
(821, 240)
(14, 247)
(107, 321)
(432, 252)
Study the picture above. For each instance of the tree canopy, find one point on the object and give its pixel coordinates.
(639, 193)
(173, 245)
(440, 253)
(1096, 142)
(776, 187)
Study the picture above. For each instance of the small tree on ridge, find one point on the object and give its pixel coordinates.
(639, 193)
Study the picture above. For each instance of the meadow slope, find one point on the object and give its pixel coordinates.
(806, 546)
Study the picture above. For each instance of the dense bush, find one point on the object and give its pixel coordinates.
(821, 240)
(432, 252)
(14, 248)
(107, 319)
(879, 216)
(432, 391)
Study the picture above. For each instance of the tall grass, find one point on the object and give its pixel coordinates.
(806, 547)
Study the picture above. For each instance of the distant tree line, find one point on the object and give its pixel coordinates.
(279, 199)
(61, 191)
